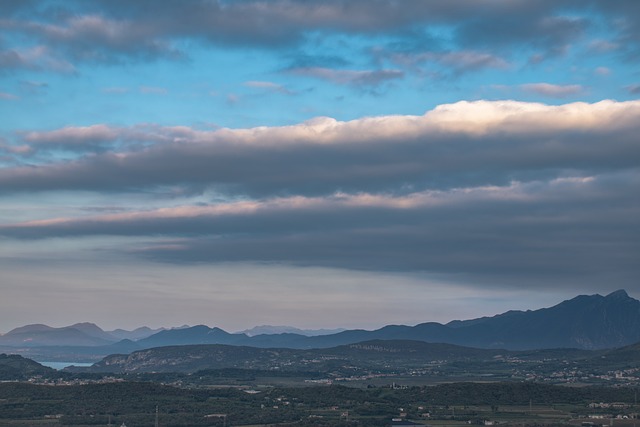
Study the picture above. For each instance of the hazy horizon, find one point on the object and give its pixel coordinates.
(257, 325)
(315, 164)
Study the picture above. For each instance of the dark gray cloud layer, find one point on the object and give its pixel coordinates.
(501, 193)
(567, 230)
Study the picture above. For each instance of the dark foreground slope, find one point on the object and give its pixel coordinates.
(18, 368)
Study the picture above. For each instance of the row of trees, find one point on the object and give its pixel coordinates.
(135, 402)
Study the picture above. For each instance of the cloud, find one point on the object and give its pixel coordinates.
(96, 38)
(467, 60)
(298, 213)
(72, 137)
(624, 20)
(7, 96)
(101, 138)
(34, 58)
(10, 59)
(552, 90)
(268, 86)
(572, 230)
(534, 26)
(458, 62)
(15, 149)
(498, 193)
(32, 87)
(357, 78)
(151, 90)
(233, 99)
(603, 46)
(108, 31)
(9, 7)
(633, 89)
(483, 142)
(116, 90)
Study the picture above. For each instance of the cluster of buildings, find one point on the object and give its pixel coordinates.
(625, 377)
(38, 379)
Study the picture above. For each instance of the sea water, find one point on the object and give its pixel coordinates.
(61, 365)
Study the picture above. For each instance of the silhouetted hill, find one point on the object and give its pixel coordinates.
(93, 330)
(199, 334)
(38, 327)
(627, 357)
(77, 335)
(191, 358)
(369, 355)
(586, 322)
(273, 330)
(18, 368)
(51, 337)
(136, 334)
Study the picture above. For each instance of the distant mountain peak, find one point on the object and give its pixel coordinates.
(136, 334)
(586, 321)
(85, 325)
(36, 327)
(80, 334)
(281, 329)
(619, 294)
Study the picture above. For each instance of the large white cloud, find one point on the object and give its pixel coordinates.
(454, 145)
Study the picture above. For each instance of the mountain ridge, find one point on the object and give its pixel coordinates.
(79, 334)
(375, 354)
(280, 329)
(584, 322)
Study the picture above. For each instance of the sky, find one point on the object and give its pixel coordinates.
(317, 164)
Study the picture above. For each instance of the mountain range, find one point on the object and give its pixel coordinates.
(271, 330)
(79, 334)
(380, 356)
(377, 354)
(584, 322)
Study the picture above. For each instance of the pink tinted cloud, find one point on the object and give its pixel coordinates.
(553, 90)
